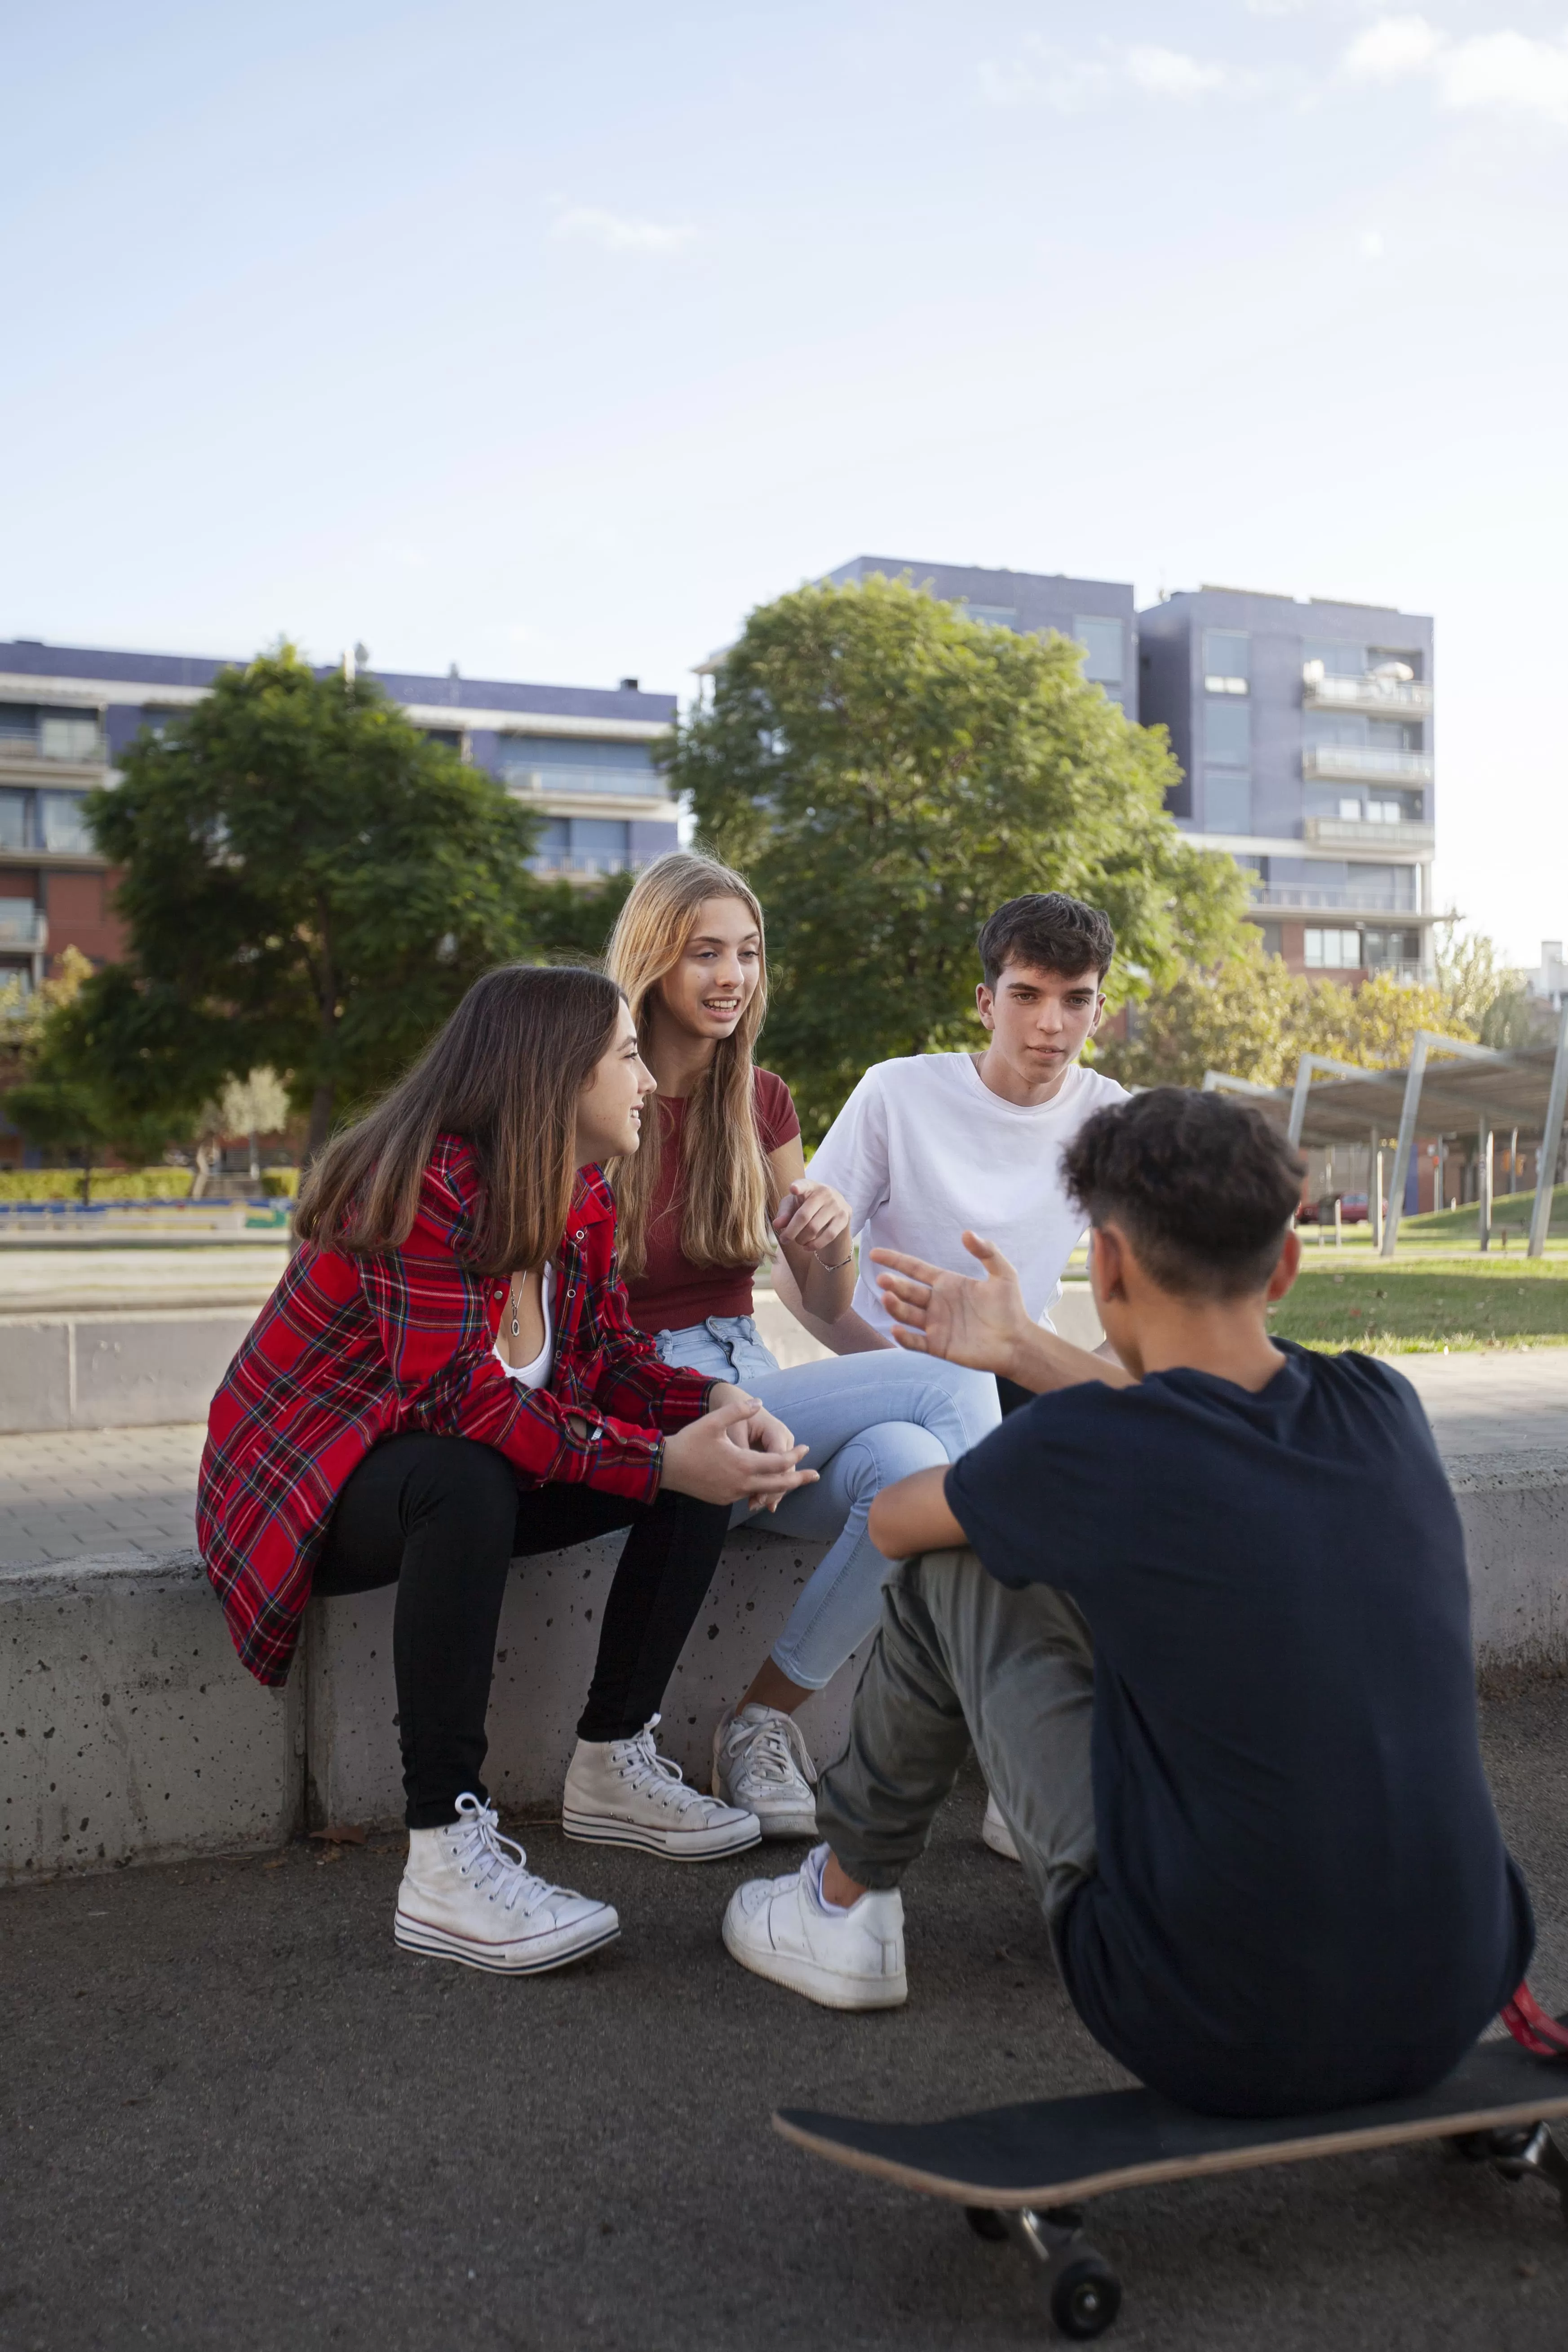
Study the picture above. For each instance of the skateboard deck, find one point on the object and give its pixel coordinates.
(1023, 2172)
(1059, 2151)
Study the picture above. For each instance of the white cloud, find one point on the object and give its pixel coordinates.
(1372, 245)
(1168, 73)
(1393, 48)
(1509, 72)
(1048, 76)
(614, 233)
(1504, 72)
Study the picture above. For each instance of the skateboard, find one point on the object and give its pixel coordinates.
(1024, 2172)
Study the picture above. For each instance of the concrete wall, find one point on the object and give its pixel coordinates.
(114, 1370)
(129, 1732)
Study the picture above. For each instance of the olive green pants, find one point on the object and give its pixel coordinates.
(960, 1661)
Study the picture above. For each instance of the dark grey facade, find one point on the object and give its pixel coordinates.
(1098, 613)
(1304, 734)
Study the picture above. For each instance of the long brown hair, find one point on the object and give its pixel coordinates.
(504, 1073)
(726, 1187)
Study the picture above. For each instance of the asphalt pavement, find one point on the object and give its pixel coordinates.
(232, 2114)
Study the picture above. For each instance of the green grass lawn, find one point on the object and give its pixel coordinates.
(1511, 1214)
(1424, 1304)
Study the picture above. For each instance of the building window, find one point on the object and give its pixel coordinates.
(1386, 950)
(1227, 733)
(1330, 950)
(1338, 660)
(1226, 800)
(64, 826)
(583, 844)
(990, 616)
(13, 827)
(1102, 661)
(1226, 661)
(70, 735)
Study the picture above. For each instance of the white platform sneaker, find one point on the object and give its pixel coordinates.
(761, 1763)
(783, 1929)
(467, 1895)
(624, 1793)
(995, 1832)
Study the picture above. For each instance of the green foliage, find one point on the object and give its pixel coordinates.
(1480, 990)
(886, 772)
(121, 1183)
(309, 884)
(1426, 1306)
(570, 924)
(1252, 1019)
(281, 1183)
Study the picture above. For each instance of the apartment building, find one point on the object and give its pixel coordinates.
(1098, 613)
(583, 757)
(1304, 733)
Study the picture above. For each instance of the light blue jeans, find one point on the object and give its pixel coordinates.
(868, 1420)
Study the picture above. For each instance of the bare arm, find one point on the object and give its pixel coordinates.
(911, 1516)
(984, 1323)
(813, 1222)
(849, 1336)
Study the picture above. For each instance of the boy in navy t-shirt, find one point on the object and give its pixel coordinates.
(1207, 1623)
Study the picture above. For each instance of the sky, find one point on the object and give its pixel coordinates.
(548, 342)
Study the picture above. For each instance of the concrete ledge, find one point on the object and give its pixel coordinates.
(114, 1370)
(544, 1659)
(129, 1730)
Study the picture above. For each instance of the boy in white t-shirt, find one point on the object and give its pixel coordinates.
(927, 1143)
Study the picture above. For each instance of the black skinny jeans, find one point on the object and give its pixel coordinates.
(442, 1517)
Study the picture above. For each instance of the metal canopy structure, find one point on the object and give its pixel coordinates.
(1449, 1087)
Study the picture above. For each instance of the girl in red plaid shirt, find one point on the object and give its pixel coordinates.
(447, 1377)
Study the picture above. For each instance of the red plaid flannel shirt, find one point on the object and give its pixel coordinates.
(349, 1349)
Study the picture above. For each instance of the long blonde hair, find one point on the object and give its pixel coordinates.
(505, 1073)
(727, 1190)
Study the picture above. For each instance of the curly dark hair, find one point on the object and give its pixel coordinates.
(1046, 931)
(1203, 1186)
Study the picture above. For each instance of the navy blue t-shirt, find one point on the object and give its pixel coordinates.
(1303, 1900)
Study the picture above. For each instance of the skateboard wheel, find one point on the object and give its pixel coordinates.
(1085, 2296)
(987, 2223)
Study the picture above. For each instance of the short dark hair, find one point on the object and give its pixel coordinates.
(1205, 1187)
(1047, 931)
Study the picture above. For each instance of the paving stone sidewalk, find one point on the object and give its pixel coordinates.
(134, 1490)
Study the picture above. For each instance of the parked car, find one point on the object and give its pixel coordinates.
(1353, 1210)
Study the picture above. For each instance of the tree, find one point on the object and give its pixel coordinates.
(309, 883)
(1480, 991)
(886, 772)
(65, 1097)
(1252, 1018)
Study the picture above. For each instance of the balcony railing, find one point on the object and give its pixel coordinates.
(54, 745)
(1371, 834)
(23, 925)
(1334, 898)
(581, 861)
(634, 783)
(1354, 763)
(1386, 697)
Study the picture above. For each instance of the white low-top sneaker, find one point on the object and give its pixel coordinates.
(782, 1929)
(761, 1763)
(624, 1793)
(995, 1832)
(468, 1895)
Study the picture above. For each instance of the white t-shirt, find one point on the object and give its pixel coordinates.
(922, 1148)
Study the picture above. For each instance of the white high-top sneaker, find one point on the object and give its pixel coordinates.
(761, 1763)
(995, 1832)
(467, 1895)
(624, 1793)
(783, 1928)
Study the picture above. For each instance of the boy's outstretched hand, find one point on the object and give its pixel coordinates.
(980, 1322)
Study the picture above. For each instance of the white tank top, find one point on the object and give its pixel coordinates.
(537, 1374)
